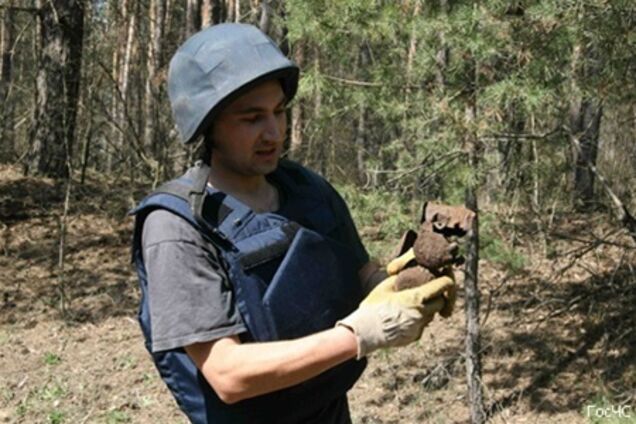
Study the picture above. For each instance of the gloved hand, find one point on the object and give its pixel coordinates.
(411, 298)
(450, 295)
(389, 318)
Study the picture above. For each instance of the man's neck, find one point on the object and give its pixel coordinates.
(234, 184)
(255, 191)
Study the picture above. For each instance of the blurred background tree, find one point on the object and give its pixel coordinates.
(393, 96)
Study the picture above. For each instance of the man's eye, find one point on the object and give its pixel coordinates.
(251, 118)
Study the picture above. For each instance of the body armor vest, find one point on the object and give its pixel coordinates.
(289, 276)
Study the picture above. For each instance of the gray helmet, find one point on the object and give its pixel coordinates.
(217, 64)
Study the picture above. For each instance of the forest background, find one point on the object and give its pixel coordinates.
(523, 110)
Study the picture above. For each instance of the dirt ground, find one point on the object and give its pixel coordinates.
(558, 339)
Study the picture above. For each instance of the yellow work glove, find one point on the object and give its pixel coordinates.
(389, 318)
(450, 295)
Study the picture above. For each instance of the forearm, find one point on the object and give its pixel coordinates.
(240, 371)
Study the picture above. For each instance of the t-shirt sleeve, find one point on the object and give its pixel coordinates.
(190, 298)
(345, 231)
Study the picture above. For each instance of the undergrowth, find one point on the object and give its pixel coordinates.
(381, 218)
(493, 247)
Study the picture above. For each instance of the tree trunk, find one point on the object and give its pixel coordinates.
(212, 12)
(116, 21)
(193, 17)
(585, 123)
(58, 78)
(230, 9)
(266, 16)
(322, 145)
(510, 150)
(441, 58)
(471, 289)
(89, 136)
(206, 13)
(122, 117)
(403, 133)
(473, 332)
(297, 122)
(219, 12)
(410, 56)
(361, 142)
(152, 127)
(168, 15)
(7, 143)
(361, 126)
(297, 112)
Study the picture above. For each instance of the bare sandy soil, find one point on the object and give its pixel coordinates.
(557, 335)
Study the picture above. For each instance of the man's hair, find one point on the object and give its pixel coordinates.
(204, 151)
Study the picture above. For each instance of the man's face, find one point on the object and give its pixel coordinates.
(248, 134)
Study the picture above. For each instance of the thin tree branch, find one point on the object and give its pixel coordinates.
(527, 136)
(354, 82)
(33, 10)
(137, 142)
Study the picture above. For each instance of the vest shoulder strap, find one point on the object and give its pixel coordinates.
(204, 210)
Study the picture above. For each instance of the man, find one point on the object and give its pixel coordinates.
(251, 283)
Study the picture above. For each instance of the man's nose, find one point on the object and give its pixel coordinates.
(272, 130)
